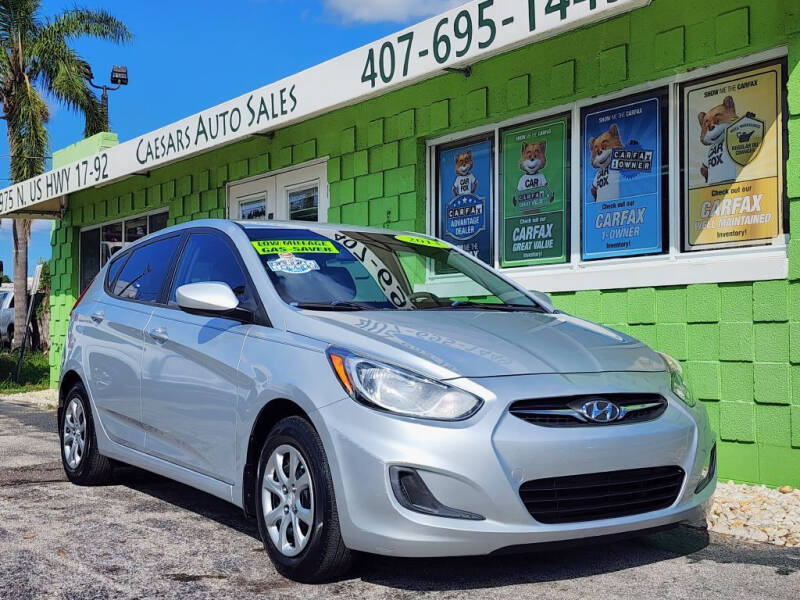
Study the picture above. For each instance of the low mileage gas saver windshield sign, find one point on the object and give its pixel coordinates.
(457, 37)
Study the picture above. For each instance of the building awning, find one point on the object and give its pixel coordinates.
(418, 52)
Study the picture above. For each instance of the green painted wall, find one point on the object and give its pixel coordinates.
(739, 342)
(86, 147)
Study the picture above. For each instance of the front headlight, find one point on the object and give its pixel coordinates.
(679, 387)
(398, 391)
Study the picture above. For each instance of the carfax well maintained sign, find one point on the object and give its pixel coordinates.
(462, 35)
(621, 170)
(535, 172)
(732, 154)
(465, 198)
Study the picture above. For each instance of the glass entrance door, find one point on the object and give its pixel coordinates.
(299, 194)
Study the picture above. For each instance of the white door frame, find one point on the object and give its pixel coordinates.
(277, 185)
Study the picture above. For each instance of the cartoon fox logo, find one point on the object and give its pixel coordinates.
(718, 166)
(605, 185)
(531, 162)
(465, 182)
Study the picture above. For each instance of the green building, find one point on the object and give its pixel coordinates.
(638, 159)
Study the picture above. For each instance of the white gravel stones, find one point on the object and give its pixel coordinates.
(757, 513)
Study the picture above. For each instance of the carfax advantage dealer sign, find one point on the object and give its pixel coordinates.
(462, 35)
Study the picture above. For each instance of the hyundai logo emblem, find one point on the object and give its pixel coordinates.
(601, 411)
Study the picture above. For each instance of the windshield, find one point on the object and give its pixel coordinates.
(351, 270)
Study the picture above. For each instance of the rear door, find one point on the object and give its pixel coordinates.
(190, 370)
(114, 350)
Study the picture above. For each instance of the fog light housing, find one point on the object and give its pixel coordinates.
(709, 470)
(412, 493)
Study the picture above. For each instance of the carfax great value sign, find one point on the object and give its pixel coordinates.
(535, 174)
(459, 36)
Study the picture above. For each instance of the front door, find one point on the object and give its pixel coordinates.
(298, 194)
(190, 376)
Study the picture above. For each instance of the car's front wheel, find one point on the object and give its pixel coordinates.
(83, 464)
(296, 506)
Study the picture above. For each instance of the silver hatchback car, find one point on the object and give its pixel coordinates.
(358, 389)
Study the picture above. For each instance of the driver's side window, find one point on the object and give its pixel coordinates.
(207, 257)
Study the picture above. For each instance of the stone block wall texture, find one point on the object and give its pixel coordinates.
(739, 342)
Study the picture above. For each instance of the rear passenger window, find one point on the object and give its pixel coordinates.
(208, 258)
(114, 268)
(142, 276)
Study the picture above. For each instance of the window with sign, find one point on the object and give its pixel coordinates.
(535, 187)
(624, 177)
(464, 204)
(99, 243)
(626, 190)
(734, 143)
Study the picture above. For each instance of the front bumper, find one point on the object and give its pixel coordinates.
(478, 465)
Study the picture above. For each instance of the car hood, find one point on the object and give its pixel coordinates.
(481, 343)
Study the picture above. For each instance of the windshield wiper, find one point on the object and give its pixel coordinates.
(501, 307)
(335, 305)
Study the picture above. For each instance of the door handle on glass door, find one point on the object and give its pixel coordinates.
(159, 334)
(98, 316)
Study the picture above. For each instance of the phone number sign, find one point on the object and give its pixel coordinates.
(474, 30)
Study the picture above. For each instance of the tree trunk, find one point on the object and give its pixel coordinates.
(21, 235)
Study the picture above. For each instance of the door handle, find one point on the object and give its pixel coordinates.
(98, 316)
(159, 334)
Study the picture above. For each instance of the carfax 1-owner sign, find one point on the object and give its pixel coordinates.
(732, 155)
(621, 174)
(535, 172)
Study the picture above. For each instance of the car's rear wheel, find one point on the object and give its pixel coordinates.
(83, 464)
(296, 506)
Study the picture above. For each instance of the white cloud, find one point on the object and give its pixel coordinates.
(382, 11)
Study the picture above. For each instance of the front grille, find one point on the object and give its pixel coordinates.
(566, 411)
(596, 496)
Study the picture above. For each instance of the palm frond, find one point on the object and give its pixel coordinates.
(79, 22)
(27, 136)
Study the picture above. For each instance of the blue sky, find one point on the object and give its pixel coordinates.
(188, 55)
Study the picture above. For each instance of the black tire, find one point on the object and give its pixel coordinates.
(325, 557)
(93, 468)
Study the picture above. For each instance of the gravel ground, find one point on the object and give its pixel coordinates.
(755, 512)
(147, 537)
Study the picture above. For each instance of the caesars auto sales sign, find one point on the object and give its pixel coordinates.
(459, 36)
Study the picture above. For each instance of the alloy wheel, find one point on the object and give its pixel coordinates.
(74, 433)
(287, 496)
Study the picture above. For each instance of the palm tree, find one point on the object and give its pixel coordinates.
(37, 62)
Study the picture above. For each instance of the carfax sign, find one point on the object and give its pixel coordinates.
(732, 153)
(535, 172)
(621, 179)
(465, 198)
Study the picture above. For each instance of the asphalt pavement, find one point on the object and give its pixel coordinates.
(147, 537)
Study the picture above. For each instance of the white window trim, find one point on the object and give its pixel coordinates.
(676, 267)
(324, 198)
(149, 213)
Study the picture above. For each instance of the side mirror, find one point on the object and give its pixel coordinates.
(543, 298)
(208, 297)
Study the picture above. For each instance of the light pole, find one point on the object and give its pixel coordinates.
(119, 77)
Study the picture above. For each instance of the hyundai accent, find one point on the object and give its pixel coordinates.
(357, 389)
